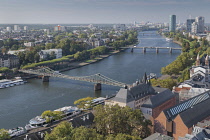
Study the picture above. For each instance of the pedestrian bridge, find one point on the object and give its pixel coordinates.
(98, 78)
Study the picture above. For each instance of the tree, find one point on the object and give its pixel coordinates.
(4, 135)
(83, 133)
(52, 115)
(63, 131)
(165, 83)
(84, 103)
(116, 119)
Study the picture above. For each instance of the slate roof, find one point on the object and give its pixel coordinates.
(83, 120)
(159, 99)
(134, 93)
(192, 110)
(158, 136)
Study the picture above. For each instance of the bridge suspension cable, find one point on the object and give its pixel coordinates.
(95, 78)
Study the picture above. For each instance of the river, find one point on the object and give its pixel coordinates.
(19, 104)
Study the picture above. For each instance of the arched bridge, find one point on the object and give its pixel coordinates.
(96, 78)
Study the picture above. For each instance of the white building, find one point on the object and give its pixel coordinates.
(43, 53)
(29, 44)
(9, 29)
(25, 28)
(194, 28)
(16, 28)
(16, 51)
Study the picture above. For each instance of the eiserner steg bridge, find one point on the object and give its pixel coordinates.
(170, 49)
(98, 79)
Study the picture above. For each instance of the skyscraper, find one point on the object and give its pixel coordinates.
(189, 24)
(200, 22)
(172, 23)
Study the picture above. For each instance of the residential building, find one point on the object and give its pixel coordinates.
(60, 28)
(172, 23)
(29, 44)
(177, 121)
(16, 28)
(189, 24)
(15, 52)
(44, 53)
(8, 60)
(208, 37)
(121, 27)
(8, 29)
(25, 28)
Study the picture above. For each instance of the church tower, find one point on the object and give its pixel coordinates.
(207, 60)
(197, 60)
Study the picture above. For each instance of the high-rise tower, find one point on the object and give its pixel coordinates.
(172, 23)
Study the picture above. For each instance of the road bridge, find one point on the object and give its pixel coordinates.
(98, 78)
(156, 48)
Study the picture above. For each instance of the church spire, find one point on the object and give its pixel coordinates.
(144, 80)
(198, 60)
(207, 60)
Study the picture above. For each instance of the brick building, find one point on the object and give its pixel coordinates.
(177, 121)
(156, 104)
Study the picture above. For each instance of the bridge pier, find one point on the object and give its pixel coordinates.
(45, 78)
(157, 50)
(144, 50)
(170, 50)
(131, 49)
(97, 87)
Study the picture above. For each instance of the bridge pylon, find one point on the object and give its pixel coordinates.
(97, 87)
(45, 78)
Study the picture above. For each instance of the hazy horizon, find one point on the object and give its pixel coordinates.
(100, 11)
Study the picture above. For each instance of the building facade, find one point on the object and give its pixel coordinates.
(172, 23)
(44, 53)
(189, 24)
(200, 22)
(8, 60)
(177, 121)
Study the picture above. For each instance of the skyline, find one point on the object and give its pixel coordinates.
(99, 11)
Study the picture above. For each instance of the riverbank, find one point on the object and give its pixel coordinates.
(75, 65)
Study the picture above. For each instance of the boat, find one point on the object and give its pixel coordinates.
(168, 39)
(10, 83)
(16, 131)
(69, 111)
(152, 76)
(36, 122)
(99, 100)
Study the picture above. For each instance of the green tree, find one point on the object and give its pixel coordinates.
(83, 133)
(116, 119)
(63, 131)
(4, 135)
(84, 103)
(165, 83)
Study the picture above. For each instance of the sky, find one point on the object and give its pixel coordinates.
(100, 11)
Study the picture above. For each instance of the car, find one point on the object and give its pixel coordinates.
(134, 46)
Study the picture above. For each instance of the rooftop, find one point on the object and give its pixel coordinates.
(192, 110)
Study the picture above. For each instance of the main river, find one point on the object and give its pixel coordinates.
(19, 104)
